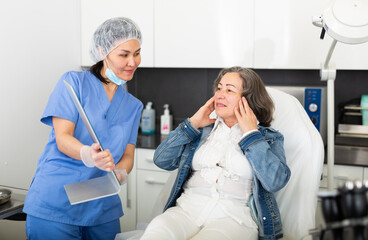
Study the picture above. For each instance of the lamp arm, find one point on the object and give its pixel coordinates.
(328, 73)
(330, 133)
(328, 58)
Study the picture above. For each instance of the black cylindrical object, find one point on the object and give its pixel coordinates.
(360, 208)
(331, 210)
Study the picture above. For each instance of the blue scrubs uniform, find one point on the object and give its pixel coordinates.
(115, 123)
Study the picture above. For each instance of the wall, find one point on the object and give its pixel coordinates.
(186, 90)
(40, 40)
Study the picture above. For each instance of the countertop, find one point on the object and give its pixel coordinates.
(149, 141)
(13, 209)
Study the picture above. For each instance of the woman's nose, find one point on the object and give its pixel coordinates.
(219, 94)
(131, 62)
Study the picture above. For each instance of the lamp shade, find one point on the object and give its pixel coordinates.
(347, 21)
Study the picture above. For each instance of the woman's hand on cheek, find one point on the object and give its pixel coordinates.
(202, 117)
(246, 118)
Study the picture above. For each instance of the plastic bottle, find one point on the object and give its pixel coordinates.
(364, 104)
(166, 121)
(148, 119)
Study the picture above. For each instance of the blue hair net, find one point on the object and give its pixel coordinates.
(111, 34)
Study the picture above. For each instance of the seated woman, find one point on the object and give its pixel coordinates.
(228, 168)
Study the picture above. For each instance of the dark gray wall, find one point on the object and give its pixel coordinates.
(186, 90)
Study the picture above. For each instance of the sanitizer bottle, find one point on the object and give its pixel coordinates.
(148, 119)
(166, 121)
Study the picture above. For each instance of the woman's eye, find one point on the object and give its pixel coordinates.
(124, 55)
(137, 54)
(229, 90)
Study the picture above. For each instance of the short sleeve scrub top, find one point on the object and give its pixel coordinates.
(115, 123)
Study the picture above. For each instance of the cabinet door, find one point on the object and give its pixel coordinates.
(13, 229)
(95, 12)
(342, 174)
(149, 185)
(145, 160)
(286, 38)
(206, 33)
(365, 174)
(129, 202)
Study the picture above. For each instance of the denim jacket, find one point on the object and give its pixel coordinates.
(265, 153)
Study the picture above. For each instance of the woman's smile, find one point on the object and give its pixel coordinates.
(220, 105)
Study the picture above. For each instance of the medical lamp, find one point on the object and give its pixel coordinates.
(345, 21)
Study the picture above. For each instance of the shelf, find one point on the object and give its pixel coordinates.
(355, 129)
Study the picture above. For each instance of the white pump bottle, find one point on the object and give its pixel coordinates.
(166, 121)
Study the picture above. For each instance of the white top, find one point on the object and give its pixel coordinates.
(222, 179)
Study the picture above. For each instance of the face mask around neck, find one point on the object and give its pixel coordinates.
(112, 77)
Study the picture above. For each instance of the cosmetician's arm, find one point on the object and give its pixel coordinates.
(65, 140)
(70, 146)
(127, 160)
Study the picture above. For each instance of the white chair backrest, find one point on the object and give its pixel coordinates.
(304, 152)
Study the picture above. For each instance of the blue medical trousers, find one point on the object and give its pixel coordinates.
(40, 229)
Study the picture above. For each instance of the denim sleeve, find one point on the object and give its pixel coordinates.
(168, 154)
(267, 158)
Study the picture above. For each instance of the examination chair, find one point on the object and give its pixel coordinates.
(304, 151)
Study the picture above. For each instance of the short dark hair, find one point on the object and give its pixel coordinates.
(254, 91)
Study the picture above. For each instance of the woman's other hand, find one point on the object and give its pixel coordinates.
(93, 156)
(246, 118)
(202, 117)
(122, 175)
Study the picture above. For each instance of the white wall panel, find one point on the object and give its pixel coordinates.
(206, 33)
(40, 40)
(286, 38)
(95, 12)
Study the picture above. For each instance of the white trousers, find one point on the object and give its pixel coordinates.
(175, 224)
